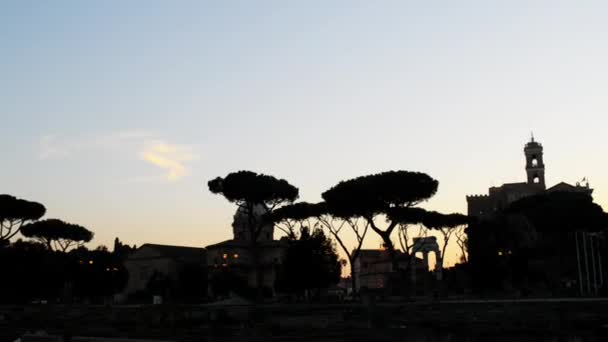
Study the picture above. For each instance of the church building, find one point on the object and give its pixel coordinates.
(498, 198)
(235, 255)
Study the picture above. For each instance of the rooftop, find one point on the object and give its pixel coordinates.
(175, 251)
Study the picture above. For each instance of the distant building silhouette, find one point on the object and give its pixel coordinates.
(579, 260)
(374, 267)
(235, 254)
(122, 249)
(498, 198)
(232, 255)
(168, 261)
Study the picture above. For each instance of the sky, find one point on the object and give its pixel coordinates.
(115, 114)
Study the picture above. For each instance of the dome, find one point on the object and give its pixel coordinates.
(258, 210)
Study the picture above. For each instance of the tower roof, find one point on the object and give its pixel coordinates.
(533, 143)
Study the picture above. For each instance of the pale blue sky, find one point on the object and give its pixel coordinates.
(116, 113)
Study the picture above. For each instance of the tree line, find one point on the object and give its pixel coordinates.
(23, 216)
(381, 203)
(53, 264)
(506, 246)
(529, 244)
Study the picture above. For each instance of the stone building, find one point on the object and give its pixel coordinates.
(565, 259)
(373, 267)
(232, 255)
(498, 198)
(235, 254)
(164, 260)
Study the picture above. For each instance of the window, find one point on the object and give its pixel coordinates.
(534, 162)
(536, 180)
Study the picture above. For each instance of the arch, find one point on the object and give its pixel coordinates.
(425, 256)
(426, 245)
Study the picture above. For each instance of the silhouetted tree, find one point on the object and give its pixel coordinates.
(249, 190)
(311, 263)
(499, 249)
(290, 218)
(30, 272)
(561, 220)
(383, 197)
(337, 223)
(95, 273)
(14, 213)
(406, 240)
(561, 212)
(541, 227)
(56, 234)
(446, 224)
(462, 242)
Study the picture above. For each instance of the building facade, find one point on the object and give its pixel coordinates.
(235, 255)
(498, 198)
(166, 261)
(374, 267)
(564, 260)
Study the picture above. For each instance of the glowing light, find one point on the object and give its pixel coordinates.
(236, 256)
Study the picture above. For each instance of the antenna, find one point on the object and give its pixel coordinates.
(532, 136)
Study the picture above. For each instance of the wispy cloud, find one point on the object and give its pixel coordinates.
(143, 145)
(170, 157)
(50, 148)
(55, 146)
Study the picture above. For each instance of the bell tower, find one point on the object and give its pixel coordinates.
(535, 168)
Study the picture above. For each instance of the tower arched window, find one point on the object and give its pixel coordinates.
(534, 160)
(536, 180)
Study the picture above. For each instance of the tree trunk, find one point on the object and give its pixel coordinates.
(394, 276)
(353, 276)
(388, 244)
(258, 271)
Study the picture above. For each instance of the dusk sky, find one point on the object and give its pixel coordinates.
(115, 114)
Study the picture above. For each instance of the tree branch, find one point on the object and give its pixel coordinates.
(10, 236)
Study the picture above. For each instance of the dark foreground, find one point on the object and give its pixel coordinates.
(532, 320)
